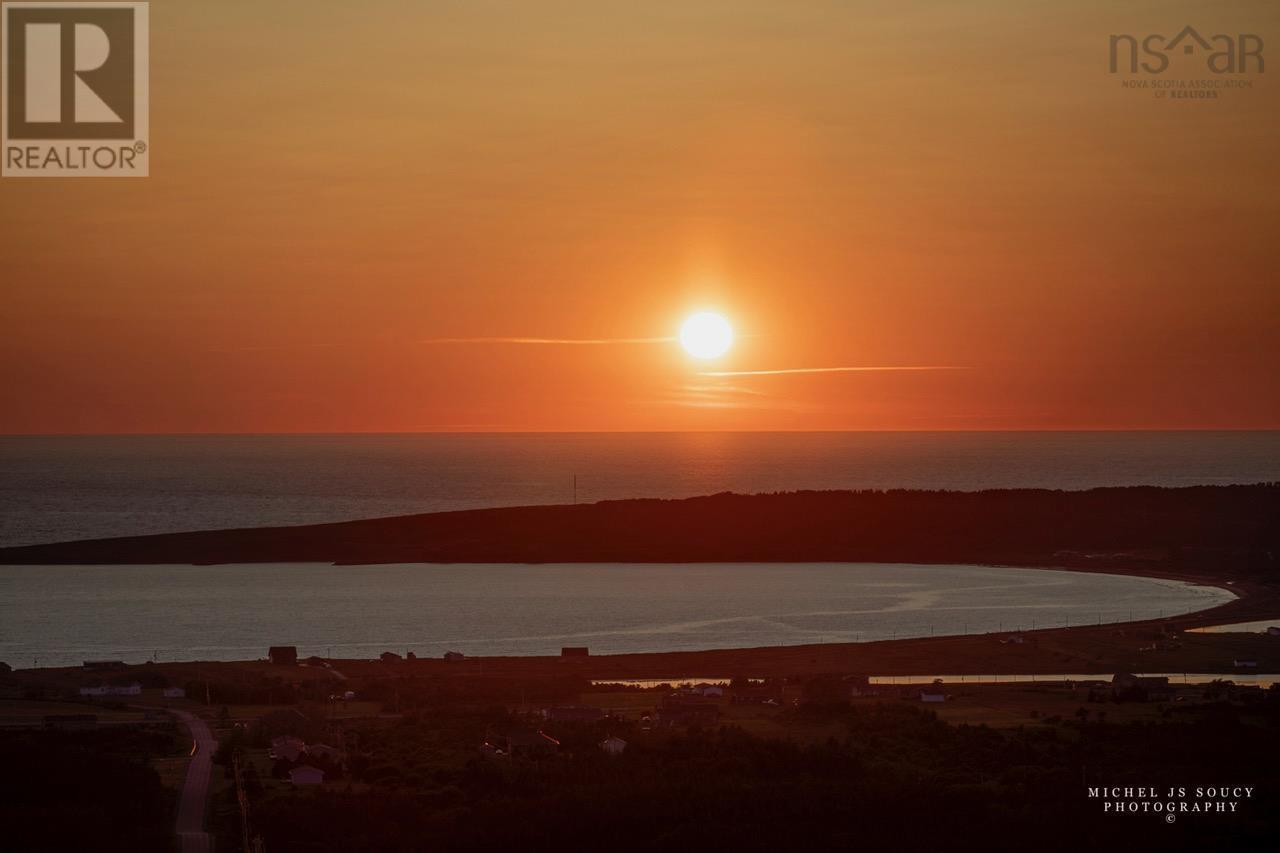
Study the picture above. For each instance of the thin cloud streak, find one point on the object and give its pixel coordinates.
(549, 341)
(796, 370)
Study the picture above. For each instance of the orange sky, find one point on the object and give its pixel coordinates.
(337, 186)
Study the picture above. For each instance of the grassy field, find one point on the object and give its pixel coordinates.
(28, 712)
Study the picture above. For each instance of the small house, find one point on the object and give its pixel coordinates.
(933, 693)
(1273, 631)
(1248, 663)
(574, 652)
(708, 690)
(389, 657)
(613, 745)
(306, 775)
(283, 655)
(1141, 688)
(454, 657)
(175, 693)
(104, 664)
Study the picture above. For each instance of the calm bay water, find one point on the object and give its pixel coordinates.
(55, 488)
(62, 615)
(61, 488)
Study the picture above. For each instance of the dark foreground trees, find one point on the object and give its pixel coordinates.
(895, 778)
(62, 791)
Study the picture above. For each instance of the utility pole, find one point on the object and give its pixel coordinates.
(242, 800)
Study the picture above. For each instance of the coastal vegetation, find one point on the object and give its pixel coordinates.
(1198, 530)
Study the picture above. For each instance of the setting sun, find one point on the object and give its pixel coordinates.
(706, 335)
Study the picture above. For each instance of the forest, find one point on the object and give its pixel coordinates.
(86, 790)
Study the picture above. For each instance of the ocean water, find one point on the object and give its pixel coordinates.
(63, 615)
(56, 488)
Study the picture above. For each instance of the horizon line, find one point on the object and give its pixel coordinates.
(515, 431)
(785, 371)
(550, 341)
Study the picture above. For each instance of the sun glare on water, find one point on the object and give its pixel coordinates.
(706, 335)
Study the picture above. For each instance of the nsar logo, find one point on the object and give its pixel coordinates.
(1222, 54)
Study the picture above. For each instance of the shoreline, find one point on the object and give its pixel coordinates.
(1077, 649)
(1224, 537)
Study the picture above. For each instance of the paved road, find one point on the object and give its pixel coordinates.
(195, 790)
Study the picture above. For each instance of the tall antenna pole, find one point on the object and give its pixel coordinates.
(575, 489)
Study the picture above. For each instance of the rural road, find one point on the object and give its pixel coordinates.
(195, 790)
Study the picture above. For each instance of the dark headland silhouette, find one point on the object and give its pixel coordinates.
(1201, 530)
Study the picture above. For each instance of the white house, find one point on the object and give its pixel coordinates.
(933, 693)
(1249, 662)
(709, 690)
(174, 693)
(613, 745)
(306, 775)
(134, 689)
